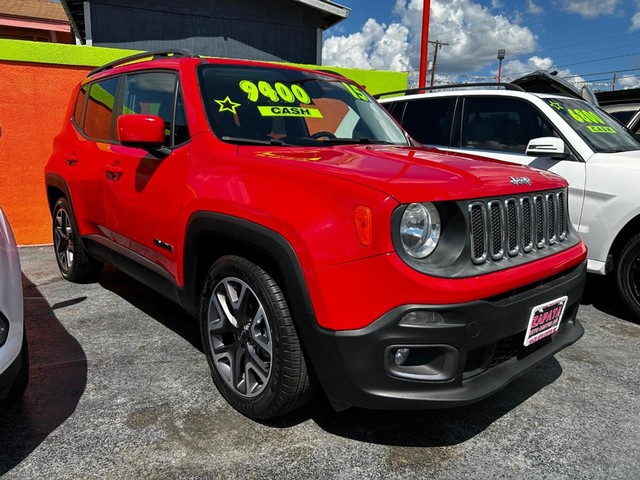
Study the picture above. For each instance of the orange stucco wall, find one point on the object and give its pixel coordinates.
(33, 104)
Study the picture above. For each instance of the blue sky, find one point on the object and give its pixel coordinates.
(584, 40)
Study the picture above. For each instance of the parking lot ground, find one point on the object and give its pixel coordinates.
(119, 388)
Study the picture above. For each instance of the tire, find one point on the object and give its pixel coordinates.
(74, 262)
(628, 275)
(251, 344)
(22, 378)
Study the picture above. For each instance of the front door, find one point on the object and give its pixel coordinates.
(144, 186)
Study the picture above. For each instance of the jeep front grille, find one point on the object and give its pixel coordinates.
(517, 225)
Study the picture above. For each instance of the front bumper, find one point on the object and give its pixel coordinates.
(475, 350)
(10, 374)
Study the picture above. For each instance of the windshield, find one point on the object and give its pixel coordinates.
(276, 106)
(603, 133)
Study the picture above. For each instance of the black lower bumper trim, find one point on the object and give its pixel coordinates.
(471, 351)
(9, 376)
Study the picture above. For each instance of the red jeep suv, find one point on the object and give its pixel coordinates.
(317, 245)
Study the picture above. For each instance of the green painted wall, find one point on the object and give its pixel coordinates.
(376, 81)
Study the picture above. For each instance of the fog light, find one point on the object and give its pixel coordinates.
(422, 318)
(401, 356)
(433, 363)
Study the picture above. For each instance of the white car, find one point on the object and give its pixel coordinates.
(627, 114)
(553, 132)
(14, 356)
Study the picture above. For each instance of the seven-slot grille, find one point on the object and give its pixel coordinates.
(508, 227)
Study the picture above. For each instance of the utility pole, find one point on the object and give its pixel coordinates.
(426, 7)
(438, 45)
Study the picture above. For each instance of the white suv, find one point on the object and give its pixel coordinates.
(558, 133)
(14, 357)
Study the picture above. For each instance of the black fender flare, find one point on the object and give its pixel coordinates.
(53, 180)
(243, 236)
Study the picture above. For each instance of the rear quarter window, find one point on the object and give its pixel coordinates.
(78, 112)
(98, 122)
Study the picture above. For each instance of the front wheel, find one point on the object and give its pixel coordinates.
(251, 344)
(628, 275)
(74, 262)
(22, 378)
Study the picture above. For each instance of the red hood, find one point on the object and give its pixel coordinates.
(413, 174)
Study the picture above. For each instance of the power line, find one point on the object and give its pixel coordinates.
(598, 59)
(588, 34)
(590, 52)
(603, 73)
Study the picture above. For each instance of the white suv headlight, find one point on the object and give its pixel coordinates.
(420, 229)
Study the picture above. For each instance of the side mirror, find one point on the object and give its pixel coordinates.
(547, 147)
(137, 130)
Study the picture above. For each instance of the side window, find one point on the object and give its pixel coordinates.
(180, 127)
(98, 120)
(154, 93)
(429, 120)
(78, 113)
(502, 124)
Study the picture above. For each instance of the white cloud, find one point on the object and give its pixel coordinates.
(627, 81)
(375, 47)
(515, 68)
(474, 35)
(533, 8)
(588, 8)
(635, 22)
(496, 4)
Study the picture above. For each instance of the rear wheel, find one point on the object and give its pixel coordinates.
(628, 275)
(74, 262)
(251, 345)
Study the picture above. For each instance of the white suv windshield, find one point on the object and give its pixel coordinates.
(596, 127)
(277, 106)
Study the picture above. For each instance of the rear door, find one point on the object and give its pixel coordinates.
(85, 160)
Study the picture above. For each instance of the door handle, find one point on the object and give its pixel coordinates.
(71, 159)
(113, 172)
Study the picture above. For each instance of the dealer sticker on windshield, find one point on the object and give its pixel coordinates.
(545, 320)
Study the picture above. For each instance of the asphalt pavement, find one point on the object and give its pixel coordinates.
(119, 388)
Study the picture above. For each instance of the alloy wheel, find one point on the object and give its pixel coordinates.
(63, 239)
(239, 337)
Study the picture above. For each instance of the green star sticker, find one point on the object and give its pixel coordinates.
(556, 105)
(227, 105)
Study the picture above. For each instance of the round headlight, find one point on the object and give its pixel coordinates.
(420, 229)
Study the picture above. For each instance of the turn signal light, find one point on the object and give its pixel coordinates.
(363, 225)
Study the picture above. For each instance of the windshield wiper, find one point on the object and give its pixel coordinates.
(253, 141)
(359, 141)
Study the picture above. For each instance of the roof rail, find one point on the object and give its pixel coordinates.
(409, 91)
(178, 52)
